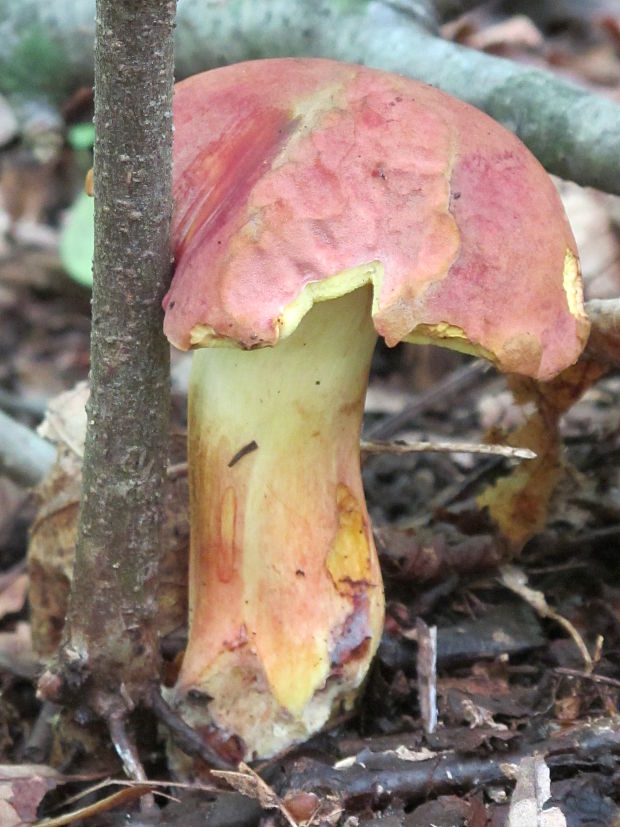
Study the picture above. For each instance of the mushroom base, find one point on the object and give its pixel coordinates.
(286, 599)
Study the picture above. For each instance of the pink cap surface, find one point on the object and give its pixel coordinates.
(287, 172)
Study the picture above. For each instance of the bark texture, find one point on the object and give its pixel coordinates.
(111, 638)
(46, 49)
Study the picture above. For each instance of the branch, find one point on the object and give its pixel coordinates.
(449, 772)
(47, 49)
(24, 456)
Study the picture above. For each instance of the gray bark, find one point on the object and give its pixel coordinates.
(574, 133)
(110, 637)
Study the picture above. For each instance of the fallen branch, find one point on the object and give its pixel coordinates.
(574, 133)
(386, 774)
(24, 456)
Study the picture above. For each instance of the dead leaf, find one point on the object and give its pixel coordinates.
(419, 555)
(131, 790)
(249, 783)
(65, 419)
(22, 789)
(51, 550)
(101, 806)
(405, 754)
(519, 502)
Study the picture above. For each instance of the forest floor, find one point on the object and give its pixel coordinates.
(527, 650)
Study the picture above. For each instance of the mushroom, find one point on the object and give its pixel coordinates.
(318, 205)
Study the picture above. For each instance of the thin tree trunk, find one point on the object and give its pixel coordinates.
(110, 644)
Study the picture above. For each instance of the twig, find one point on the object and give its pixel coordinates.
(447, 772)
(590, 676)
(128, 753)
(157, 787)
(179, 469)
(515, 580)
(125, 748)
(103, 806)
(186, 738)
(446, 448)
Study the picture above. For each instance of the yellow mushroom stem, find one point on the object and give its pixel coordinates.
(286, 599)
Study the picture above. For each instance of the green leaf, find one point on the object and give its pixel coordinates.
(77, 240)
(82, 135)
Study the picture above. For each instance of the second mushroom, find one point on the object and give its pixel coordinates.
(319, 205)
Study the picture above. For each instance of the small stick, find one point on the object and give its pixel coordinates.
(514, 579)
(127, 752)
(446, 448)
(176, 470)
(590, 676)
(179, 469)
(186, 738)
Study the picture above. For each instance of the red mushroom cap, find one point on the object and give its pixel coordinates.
(300, 180)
